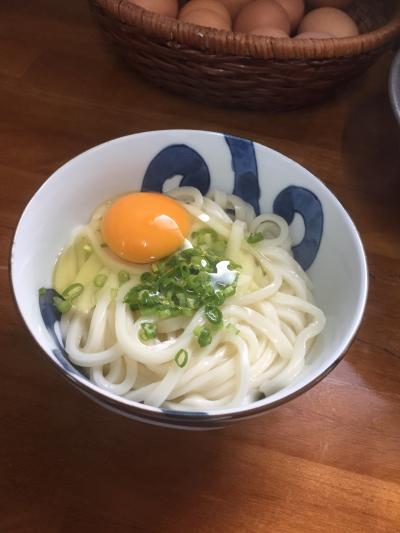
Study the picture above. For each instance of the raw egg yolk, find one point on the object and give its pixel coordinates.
(143, 227)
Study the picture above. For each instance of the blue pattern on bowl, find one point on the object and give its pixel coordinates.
(294, 200)
(177, 159)
(244, 165)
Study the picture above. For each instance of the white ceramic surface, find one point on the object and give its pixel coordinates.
(67, 198)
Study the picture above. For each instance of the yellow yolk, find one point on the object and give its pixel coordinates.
(143, 227)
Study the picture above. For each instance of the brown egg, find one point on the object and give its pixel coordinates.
(314, 35)
(294, 9)
(168, 8)
(329, 20)
(339, 4)
(207, 18)
(234, 6)
(270, 32)
(262, 13)
(212, 5)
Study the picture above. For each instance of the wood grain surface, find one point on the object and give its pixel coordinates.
(327, 461)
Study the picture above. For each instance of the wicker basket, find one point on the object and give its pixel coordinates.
(240, 70)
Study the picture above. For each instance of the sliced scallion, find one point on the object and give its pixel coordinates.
(254, 238)
(123, 277)
(42, 291)
(100, 280)
(147, 331)
(182, 358)
(203, 335)
(213, 314)
(232, 329)
(63, 306)
(229, 291)
(181, 284)
(147, 277)
(165, 313)
(73, 291)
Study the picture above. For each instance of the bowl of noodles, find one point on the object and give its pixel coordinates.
(188, 278)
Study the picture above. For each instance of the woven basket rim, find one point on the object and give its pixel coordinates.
(224, 42)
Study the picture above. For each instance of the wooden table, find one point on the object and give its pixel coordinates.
(328, 461)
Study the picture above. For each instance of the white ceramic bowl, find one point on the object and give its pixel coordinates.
(327, 242)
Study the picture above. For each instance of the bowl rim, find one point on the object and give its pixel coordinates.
(238, 44)
(177, 417)
(394, 85)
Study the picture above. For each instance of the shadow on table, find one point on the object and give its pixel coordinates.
(371, 163)
(154, 477)
(371, 150)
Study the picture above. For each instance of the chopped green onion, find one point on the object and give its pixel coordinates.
(123, 277)
(191, 302)
(42, 291)
(73, 291)
(63, 306)
(232, 329)
(165, 313)
(253, 238)
(147, 277)
(204, 236)
(182, 299)
(147, 331)
(229, 291)
(203, 335)
(188, 253)
(198, 260)
(87, 248)
(219, 247)
(155, 268)
(180, 284)
(148, 311)
(100, 280)
(213, 315)
(233, 266)
(219, 297)
(113, 293)
(209, 240)
(182, 358)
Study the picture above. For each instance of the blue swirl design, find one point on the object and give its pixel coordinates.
(177, 159)
(293, 200)
(244, 166)
(51, 316)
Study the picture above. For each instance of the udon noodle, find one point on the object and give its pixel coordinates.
(268, 326)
